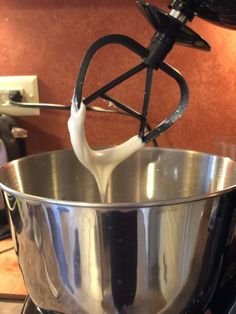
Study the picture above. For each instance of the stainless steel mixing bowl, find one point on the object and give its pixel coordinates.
(154, 246)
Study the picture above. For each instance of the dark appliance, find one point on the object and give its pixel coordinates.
(12, 146)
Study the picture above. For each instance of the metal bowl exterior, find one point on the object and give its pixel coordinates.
(77, 258)
(148, 260)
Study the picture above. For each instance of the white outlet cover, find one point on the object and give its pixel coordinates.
(28, 84)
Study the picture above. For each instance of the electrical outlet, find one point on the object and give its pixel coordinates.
(27, 85)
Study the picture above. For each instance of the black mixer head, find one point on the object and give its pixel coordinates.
(162, 21)
(220, 12)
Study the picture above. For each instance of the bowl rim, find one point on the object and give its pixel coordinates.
(118, 205)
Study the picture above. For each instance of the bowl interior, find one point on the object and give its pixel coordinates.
(150, 175)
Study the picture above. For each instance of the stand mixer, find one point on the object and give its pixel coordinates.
(170, 29)
(215, 287)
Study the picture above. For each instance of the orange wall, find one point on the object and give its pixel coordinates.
(49, 37)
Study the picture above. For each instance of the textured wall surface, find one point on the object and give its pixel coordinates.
(49, 37)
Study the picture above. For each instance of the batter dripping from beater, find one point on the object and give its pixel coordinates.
(100, 163)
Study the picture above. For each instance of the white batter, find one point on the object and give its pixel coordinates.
(101, 163)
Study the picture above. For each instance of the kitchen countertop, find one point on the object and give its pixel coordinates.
(11, 307)
(12, 288)
(11, 281)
